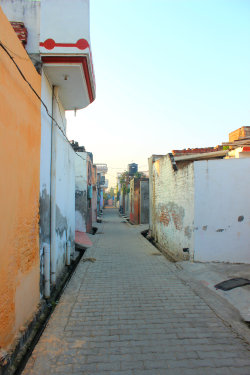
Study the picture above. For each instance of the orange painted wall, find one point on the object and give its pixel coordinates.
(20, 127)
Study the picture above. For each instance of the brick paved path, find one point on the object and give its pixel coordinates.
(129, 314)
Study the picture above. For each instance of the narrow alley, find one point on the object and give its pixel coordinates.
(126, 312)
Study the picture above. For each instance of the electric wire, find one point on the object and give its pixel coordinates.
(6, 50)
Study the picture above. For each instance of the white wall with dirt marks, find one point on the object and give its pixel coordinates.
(222, 211)
(65, 182)
(81, 185)
(172, 206)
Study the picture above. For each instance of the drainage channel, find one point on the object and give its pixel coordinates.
(51, 305)
(144, 233)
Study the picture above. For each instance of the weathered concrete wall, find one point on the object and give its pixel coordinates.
(151, 161)
(94, 205)
(29, 13)
(45, 167)
(134, 216)
(65, 199)
(65, 182)
(222, 210)
(94, 194)
(172, 207)
(127, 204)
(20, 135)
(90, 191)
(81, 191)
(144, 202)
(151, 193)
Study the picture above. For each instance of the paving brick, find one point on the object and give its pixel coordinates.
(131, 315)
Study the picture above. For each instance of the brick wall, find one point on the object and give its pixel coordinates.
(202, 150)
(242, 132)
(172, 206)
(21, 31)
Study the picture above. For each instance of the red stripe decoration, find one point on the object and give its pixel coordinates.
(51, 44)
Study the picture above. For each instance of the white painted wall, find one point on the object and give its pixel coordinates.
(221, 198)
(81, 191)
(72, 23)
(65, 180)
(65, 199)
(127, 203)
(45, 162)
(172, 208)
(29, 13)
(150, 171)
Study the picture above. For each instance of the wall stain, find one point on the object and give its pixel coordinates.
(81, 201)
(188, 232)
(61, 223)
(44, 222)
(172, 210)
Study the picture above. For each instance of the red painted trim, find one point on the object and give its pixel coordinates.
(71, 60)
(51, 44)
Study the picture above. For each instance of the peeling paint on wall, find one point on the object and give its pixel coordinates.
(188, 232)
(172, 206)
(171, 211)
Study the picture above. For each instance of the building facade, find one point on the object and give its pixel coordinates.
(20, 118)
(57, 65)
(199, 206)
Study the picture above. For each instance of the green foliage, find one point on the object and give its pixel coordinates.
(139, 175)
(123, 179)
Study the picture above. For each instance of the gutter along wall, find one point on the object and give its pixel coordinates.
(20, 127)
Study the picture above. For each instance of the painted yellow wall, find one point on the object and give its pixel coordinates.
(20, 127)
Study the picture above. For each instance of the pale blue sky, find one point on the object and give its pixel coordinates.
(170, 74)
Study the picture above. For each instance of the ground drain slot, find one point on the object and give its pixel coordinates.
(232, 283)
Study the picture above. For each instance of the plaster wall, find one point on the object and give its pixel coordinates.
(101, 199)
(20, 135)
(94, 205)
(65, 199)
(45, 170)
(151, 161)
(75, 25)
(222, 210)
(134, 216)
(150, 191)
(127, 204)
(144, 202)
(173, 206)
(65, 182)
(81, 191)
(29, 13)
(94, 193)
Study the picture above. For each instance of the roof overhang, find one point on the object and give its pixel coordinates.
(73, 75)
(202, 156)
